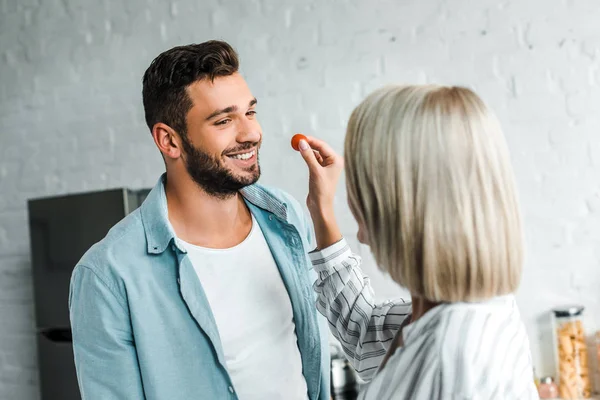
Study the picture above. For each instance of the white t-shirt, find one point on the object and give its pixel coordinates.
(254, 317)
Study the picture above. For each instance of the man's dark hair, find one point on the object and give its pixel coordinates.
(165, 81)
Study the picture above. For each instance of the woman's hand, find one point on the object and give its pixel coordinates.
(325, 167)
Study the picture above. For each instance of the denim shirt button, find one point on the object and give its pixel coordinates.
(270, 217)
(231, 389)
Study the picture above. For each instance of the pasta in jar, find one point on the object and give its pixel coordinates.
(574, 381)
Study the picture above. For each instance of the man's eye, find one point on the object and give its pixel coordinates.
(223, 122)
(251, 112)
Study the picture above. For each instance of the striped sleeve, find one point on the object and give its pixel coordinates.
(345, 297)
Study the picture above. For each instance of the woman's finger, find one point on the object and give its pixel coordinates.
(309, 156)
(323, 148)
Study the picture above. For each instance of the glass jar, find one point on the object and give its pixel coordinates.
(598, 355)
(571, 353)
(547, 389)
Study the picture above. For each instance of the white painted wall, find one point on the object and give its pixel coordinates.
(71, 116)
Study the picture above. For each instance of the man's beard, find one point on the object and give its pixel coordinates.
(212, 176)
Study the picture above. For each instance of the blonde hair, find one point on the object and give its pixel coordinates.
(429, 176)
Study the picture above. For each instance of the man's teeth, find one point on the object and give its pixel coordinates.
(244, 156)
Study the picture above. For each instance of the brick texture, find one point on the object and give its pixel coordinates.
(72, 120)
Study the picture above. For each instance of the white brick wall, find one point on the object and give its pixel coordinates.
(71, 116)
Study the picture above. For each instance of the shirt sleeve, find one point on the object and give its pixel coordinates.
(105, 355)
(364, 329)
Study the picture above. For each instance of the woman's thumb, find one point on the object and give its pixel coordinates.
(308, 154)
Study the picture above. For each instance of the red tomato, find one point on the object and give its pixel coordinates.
(296, 141)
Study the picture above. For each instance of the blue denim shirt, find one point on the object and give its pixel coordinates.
(142, 326)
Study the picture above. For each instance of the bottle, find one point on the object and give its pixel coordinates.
(547, 389)
(344, 379)
(571, 353)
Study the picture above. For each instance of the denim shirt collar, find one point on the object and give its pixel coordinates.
(159, 231)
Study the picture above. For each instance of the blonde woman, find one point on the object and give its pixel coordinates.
(430, 184)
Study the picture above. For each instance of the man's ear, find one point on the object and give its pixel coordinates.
(167, 140)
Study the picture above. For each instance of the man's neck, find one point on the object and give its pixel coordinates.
(205, 220)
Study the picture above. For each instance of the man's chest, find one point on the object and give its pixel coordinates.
(245, 290)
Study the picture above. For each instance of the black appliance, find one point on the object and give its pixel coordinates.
(61, 230)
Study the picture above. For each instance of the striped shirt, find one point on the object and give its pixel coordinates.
(454, 351)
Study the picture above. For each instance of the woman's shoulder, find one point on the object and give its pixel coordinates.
(484, 348)
(469, 330)
(467, 348)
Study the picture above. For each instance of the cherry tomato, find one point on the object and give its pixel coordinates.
(296, 141)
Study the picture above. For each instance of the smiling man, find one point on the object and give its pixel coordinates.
(204, 292)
